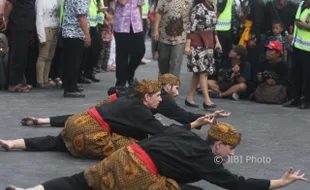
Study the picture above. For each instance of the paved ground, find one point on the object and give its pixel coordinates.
(281, 135)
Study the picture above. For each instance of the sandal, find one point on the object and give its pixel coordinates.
(19, 88)
(27, 121)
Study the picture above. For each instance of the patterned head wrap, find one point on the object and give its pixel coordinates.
(225, 133)
(169, 79)
(147, 86)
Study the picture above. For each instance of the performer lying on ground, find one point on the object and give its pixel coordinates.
(176, 156)
(167, 107)
(100, 131)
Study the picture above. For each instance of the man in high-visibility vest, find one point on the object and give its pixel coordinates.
(300, 72)
(223, 27)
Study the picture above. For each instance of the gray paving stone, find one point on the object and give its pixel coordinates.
(278, 133)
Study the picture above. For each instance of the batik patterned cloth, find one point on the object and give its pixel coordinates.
(85, 138)
(104, 101)
(201, 59)
(125, 170)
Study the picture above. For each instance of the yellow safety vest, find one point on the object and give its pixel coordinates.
(100, 16)
(93, 12)
(61, 16)
(145, 9)
(301, 39)
(224, 19)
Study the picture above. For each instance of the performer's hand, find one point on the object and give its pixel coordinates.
(220, 114)
(204, 120)
(289, 177)
(208, 120)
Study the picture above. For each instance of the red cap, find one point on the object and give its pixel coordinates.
(276, 45)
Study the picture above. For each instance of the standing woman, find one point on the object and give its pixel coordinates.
(201, 42)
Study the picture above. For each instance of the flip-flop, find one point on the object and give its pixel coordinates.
(27, 121)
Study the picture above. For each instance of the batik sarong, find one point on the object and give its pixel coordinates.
(129, 168)
(85, 137)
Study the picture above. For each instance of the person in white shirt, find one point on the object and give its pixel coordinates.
(47, 24)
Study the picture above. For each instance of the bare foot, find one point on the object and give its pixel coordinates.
(27, 121)
(6, 145)
(11, 187)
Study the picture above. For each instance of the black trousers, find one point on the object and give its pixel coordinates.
(59, 121)
(47, 143)
(130, 49)
(300, 74)
(33, 53)
(74, 182)
(225, 38)
(253, 58)
(73, 55)
(78, 182)
(92, 53)
(18, 55)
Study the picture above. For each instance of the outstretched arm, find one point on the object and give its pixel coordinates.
(212, 170)
(170, 109)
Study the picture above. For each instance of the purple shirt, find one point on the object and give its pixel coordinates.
(126, 15)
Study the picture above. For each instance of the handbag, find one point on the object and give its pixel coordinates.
(203, 39)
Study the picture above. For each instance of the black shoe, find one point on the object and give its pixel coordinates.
(130, 82)
(74, 95)
(292, 103)
(92, 78)
(304, 105)
(84, 80)
(79, 89)
(205, 106)
(187, 103)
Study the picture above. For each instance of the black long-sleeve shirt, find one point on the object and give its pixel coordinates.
(279, 70)
(131, 118)
(167, 108)
(170, 109)
(183, 156)
(256, 15)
